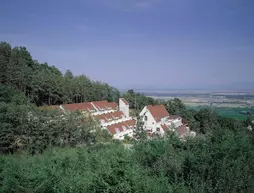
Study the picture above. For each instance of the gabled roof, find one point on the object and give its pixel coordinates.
(109, 116)
(158, 112)
(79, 106)
(100, 104)
(105, 105)
(125, 102)
(117, 114)
(130, 123)
(100, 117)
(182, 130)
(120, 126)
(112, 105)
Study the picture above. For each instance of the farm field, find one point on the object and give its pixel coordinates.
(230, 112)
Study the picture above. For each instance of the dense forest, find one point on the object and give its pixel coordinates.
(47, 151)
(44, 84)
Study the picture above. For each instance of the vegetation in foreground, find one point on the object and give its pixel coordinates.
(222, 162)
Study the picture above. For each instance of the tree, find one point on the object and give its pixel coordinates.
(139, 132)
(5, 53)
(68, 75)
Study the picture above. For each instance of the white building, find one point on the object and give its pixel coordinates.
(122, 129)
(111, 116)
(124, 107)
(158, 121)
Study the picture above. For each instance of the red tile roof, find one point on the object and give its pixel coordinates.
(164, 127)
(125, 102)
(101, 105)
(120, 126)
(112, 105)
(131, 123)
(104, 105)
(100, 117)
(182, 130)
(158, 112)
(78, 106)
(117, 115)
(109, 116)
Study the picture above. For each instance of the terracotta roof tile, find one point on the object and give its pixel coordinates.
(131, 123)
(182, 130)
(164, 127)
(112, 128)
(125, 102)
(112, 105)
(117, 115)
(158, 112)
(120, 126)
(101, 105)
(100, 117)
(107, 117)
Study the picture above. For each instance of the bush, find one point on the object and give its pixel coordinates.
(221, 162)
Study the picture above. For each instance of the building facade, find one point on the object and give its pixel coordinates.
(109, 115)
(158, 121)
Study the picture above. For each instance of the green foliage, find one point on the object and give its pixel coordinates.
(24, 126)
(221, 162)
(44, 84)
(137, 100)
(139, 132)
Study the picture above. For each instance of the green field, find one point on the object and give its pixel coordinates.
(234, 112)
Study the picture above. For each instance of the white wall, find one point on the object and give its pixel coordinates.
(124, 108)
(102, 112)
(116, 121)
(150, 123)
(120, 135)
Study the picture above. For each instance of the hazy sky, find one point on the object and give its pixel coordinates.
(138, 43)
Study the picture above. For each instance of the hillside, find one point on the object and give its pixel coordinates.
(44, 150)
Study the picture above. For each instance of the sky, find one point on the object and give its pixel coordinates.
(179, 44)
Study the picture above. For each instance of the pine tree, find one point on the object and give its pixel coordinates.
(139, 132)
(5, 53)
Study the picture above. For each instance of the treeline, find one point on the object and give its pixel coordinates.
(220, 162)
(46, 85)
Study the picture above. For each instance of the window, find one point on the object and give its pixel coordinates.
(145, 118)
(158, 129)
(153, 123)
